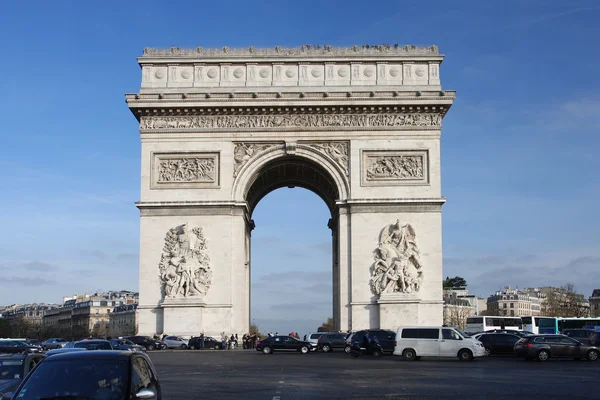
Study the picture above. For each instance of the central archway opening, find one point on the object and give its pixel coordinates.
(292, 202)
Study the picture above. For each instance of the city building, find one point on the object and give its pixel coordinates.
(478, 304)
(28, 313)
(595, 303)
(123, 320)
(513, 302)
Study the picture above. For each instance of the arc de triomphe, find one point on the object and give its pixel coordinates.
(220, 129)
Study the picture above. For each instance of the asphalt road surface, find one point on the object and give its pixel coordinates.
(187, 375)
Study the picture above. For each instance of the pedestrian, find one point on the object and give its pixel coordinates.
(304, 338)
(202, 341)
(297, 336)
(236, 340)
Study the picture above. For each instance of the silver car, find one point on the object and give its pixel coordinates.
(175, 342)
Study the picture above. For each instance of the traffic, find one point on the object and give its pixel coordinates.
(96, 368)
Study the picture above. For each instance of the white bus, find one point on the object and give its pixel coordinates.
(482, 324)
(540, 325)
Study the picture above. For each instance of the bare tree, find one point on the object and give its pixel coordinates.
(565, 302)
(456, 315)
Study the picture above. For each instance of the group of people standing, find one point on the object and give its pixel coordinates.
(249, 340)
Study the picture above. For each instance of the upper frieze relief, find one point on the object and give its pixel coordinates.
(304, 50)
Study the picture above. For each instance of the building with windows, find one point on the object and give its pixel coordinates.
(513, 302)
(595, 303)
(123, 320)
(29, 313)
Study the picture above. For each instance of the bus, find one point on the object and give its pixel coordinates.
(482, 324)
(540, 325)
(577, 323)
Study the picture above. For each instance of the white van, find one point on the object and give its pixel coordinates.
(414, 342)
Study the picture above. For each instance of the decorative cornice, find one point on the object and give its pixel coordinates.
(305, 50)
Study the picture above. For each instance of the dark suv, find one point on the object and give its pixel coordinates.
(543, 347)
(147, 342)
(331, 341)
(386, 338)
(585, 336)
(499, 343)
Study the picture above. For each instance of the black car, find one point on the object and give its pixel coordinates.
(331, 341)
(15, 346)
(585, 336)
(124, 344)
(282, 343)
(387, 339)
(210, 343)
(147, 342)
(121, 375)
(499, 343)
(15, 367)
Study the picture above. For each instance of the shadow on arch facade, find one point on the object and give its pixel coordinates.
(220, 129)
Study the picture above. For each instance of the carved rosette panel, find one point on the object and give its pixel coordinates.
(181, 170)
(184, 269)
(400, 167)
(397, 267)
(337, 151)
(244, 152)
(281, 121)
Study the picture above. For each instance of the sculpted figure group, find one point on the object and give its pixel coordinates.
(184, 268)
(397, 267)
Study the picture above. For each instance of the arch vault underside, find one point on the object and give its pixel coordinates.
(220, 129)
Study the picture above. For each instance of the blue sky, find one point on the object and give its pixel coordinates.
(519, 163)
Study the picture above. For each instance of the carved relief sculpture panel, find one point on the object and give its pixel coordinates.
(397, 267)
(184, 269)
(394, 167)
(243, 152)
(337, 151)
(185, 170)
(281, 121)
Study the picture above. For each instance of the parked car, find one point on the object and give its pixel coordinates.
(14, 346)
(499, 343)
(331, 341)
(209, 343)
(93, 344)
(385, 337)
(544, 347)
(415, 342)
(119, 375)
(124, 344)
(54, 343)
(175, 342)
(14, 367)
(35, 342)
(147, 342)
(313, 339)
(283, 343)
(64, 350)
(582, 335)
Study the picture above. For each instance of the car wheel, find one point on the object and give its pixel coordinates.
(377, 353)
(150, 347)
(543, 355)
(217, 347)
(326, 348)
(465, 355)
(592, 355)
(267, 350)
(304, 349)
(488, 351)
(409, 355)
(183, 347)
(192, 347)
(347, 349)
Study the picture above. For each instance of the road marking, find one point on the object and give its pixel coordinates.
(276, 397)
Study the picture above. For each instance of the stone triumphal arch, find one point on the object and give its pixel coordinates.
(220, 129)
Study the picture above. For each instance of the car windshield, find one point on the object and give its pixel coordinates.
(11, 369)
(75, 379)
(93, 345)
